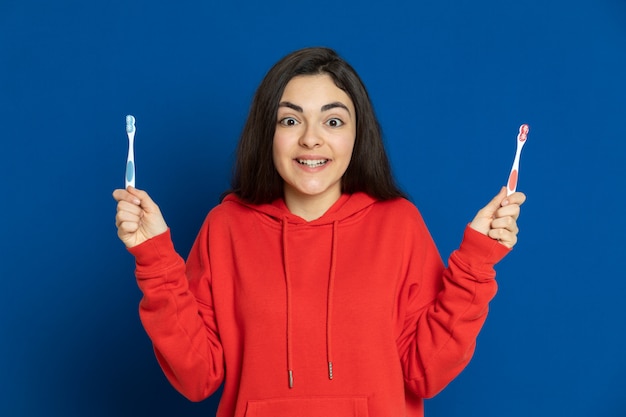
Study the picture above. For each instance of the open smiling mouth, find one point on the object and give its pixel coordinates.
(313, 163)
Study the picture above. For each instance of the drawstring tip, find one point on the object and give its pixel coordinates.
(290, 378)
(330, 370)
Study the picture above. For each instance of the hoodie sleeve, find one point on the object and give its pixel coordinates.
(177, 313)
(445, 309)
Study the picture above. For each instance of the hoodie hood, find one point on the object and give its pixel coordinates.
(346, 207)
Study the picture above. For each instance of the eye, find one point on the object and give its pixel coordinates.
(288, 121)
(334, 122)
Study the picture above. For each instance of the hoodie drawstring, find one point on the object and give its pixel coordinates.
(329, 303)
(288, 289)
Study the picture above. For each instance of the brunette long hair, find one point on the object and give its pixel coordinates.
(256, 180)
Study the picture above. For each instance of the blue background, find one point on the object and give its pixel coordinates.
(451, 82)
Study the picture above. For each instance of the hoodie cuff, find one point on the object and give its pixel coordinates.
(479, 251)
(154, 255)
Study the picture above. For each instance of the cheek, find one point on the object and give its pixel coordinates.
(348, 147)
(279, 153)
(278, 146)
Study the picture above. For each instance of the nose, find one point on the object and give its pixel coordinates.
(311, 137)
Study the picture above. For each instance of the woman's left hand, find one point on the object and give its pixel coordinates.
(498, 219)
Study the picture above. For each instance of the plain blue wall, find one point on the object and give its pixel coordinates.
(451, 82)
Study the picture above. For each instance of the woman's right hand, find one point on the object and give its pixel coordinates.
(138, 217)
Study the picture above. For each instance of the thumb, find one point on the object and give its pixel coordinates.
(490, 209)
(143, 199)
(482, 221)
(151, 222)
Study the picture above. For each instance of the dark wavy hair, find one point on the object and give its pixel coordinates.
(256, 180)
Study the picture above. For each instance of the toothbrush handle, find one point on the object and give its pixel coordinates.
(511, 184)
(130, 164)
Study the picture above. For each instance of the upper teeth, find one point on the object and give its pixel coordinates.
(312, 162)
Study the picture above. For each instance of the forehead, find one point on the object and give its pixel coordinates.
(319, 87)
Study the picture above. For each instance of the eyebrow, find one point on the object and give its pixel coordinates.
(325, 107)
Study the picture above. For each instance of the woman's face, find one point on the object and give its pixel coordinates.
(315, 134)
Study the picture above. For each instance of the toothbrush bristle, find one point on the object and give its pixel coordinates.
(130, 124)
(524, 129)
(523, 132)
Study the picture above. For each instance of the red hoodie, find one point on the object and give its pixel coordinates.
(352, 314)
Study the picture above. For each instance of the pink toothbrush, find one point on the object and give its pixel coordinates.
(521, 140)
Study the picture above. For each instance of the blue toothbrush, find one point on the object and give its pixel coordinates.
(130, 161)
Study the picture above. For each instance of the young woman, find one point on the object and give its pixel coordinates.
(314, 288)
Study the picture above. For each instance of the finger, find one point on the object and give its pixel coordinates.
(144, 199)
(130, 207)
(124, 195)
(506, 223)
(503, 236)
(508, 211)
(515, 198)
(127, 216)
(127, 228)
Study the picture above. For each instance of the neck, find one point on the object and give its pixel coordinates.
(310, 207)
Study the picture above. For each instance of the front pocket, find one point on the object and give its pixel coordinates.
(309, 407)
